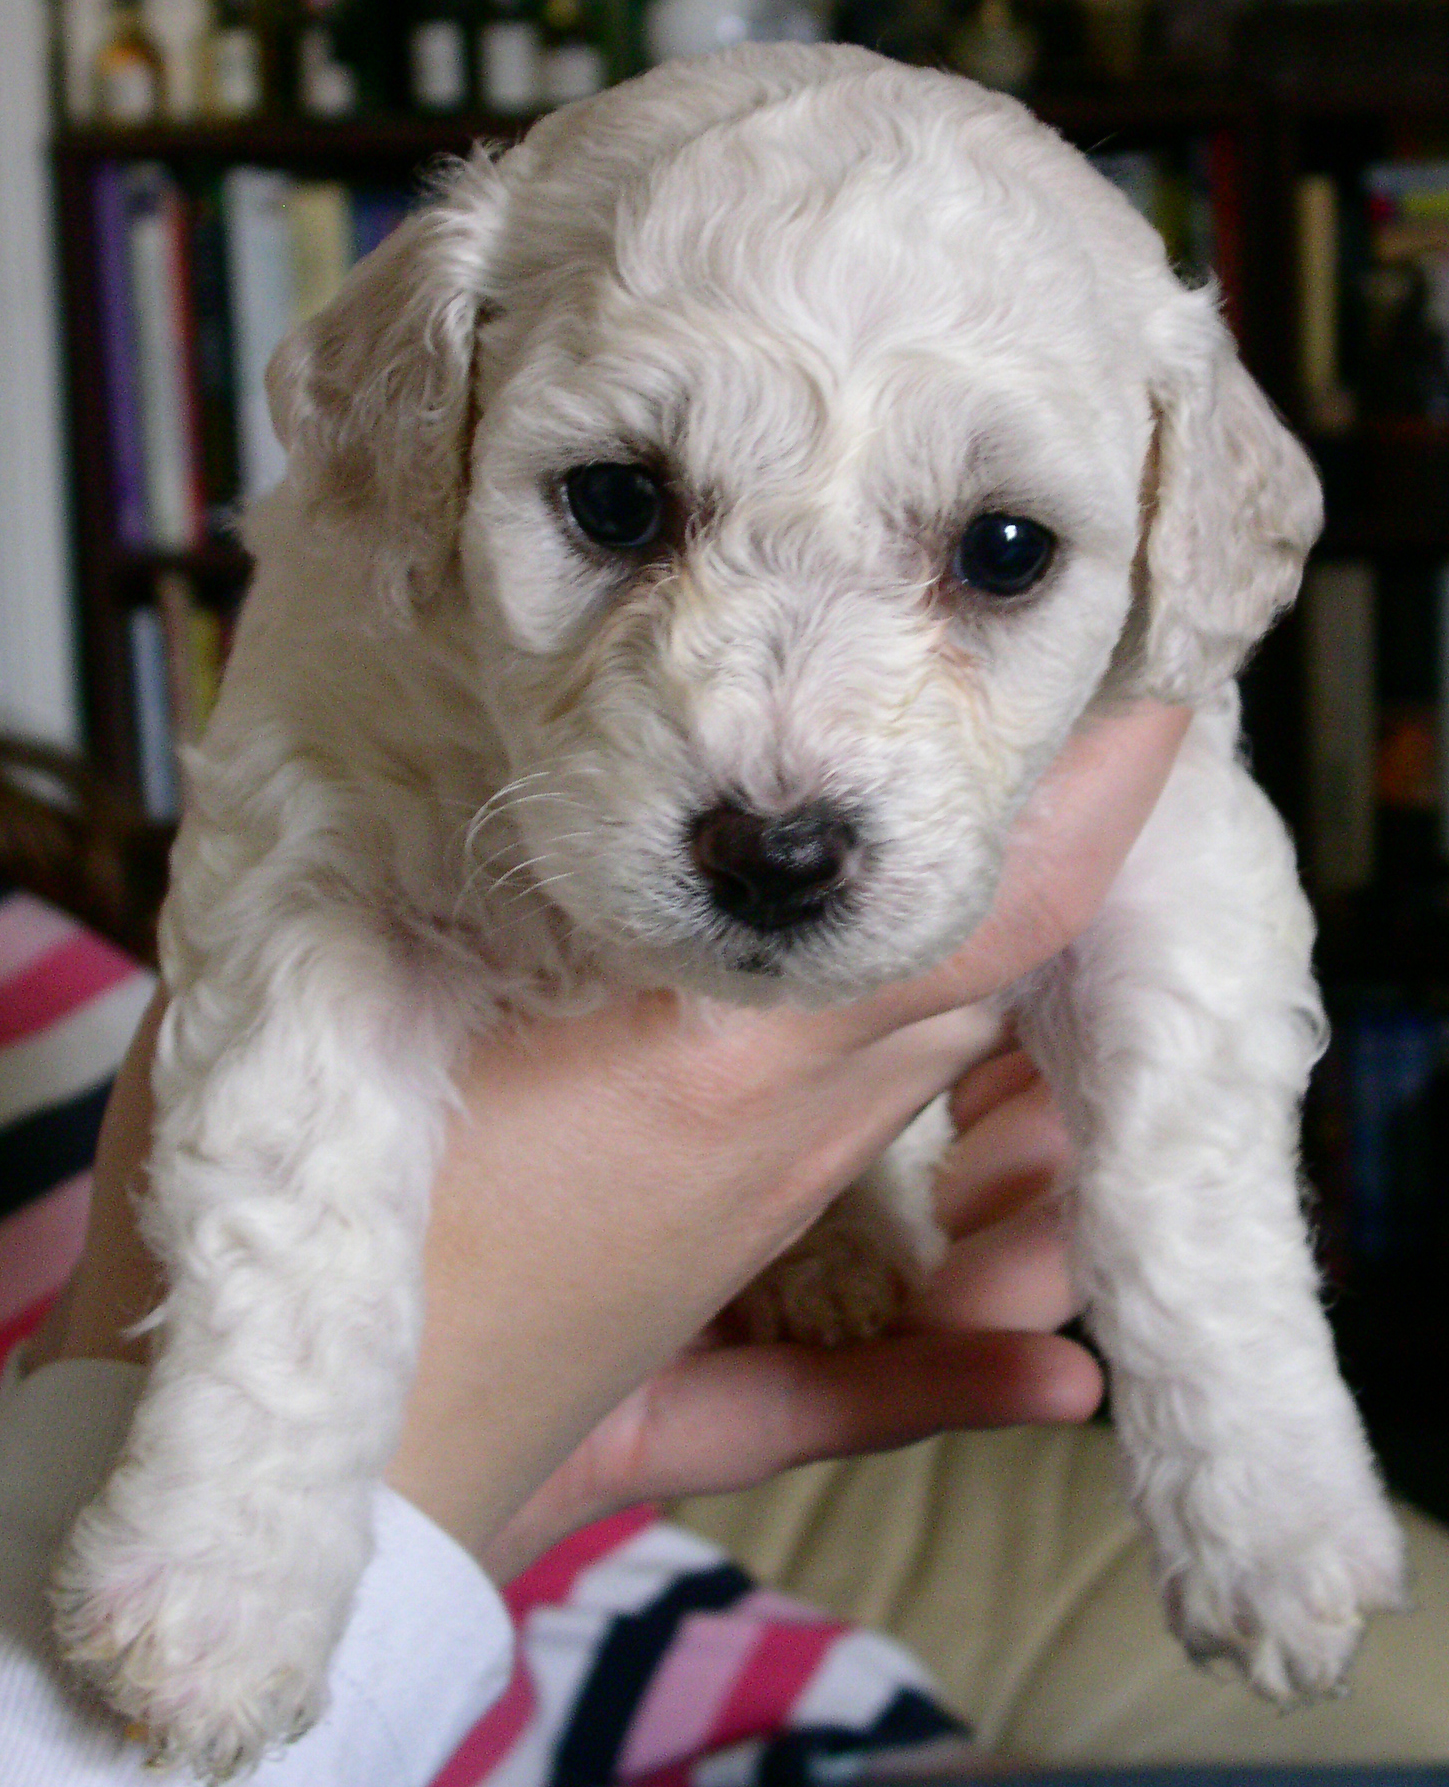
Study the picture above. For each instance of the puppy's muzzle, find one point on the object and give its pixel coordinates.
(774, 871)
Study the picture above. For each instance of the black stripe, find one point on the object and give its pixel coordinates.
(39, 1151)
(589, 1747)
(790, 1759)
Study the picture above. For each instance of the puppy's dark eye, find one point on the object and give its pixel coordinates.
(1003, 554)
(616, 505)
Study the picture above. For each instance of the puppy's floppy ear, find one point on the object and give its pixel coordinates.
(1231, 508)
(372, 397)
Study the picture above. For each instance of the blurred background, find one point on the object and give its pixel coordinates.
(185, 179)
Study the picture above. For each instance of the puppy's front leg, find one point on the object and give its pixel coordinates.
(1180, 1033)
(299, 1111)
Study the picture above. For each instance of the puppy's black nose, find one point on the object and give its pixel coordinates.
(771, 871)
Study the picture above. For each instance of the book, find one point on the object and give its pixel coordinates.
(216, 393)
(123, 412)
(376, 213)
(1341, 724)
(193, 635)
(1392, 1051)
(322, 244)
(261, 282)
(1404, 289)
(161, 308)
(151, 705)
(1223, 172)
(1407, 847)
(1173, 192)
(1325, 401)
(1441, 628)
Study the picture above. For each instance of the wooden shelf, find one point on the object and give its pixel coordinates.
(288, 142)
(219, 561)
(1386, 484)
(1150, 103)
(1348, 57)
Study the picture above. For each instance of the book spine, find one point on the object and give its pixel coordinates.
(1225, 185)
(215, 389)
(128, 477)
(261, 288)
(376, 213)
(183, 310)
(1441, 706)
(322, 238)
(207, 656)
(1316, 206)
(176, 603)
(155, 743)
(154, 257)
(1342, 726)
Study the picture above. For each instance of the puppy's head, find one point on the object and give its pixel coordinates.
(812, 440)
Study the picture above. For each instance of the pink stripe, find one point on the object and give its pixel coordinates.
(548, 1579)
(40, 1244)
(678, 1774)
(784, 1662)
(493, 1736)
(693, 1683)
(770, 1604)
(12, 1333)
(552, 1577)
(68, 975)
(28, 928)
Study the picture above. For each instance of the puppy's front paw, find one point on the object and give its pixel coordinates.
(1289, 1610)
(842, 1281)
(211, 1639)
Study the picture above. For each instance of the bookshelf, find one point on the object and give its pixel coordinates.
(1326, 87)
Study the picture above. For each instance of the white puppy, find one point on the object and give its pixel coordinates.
(702, 526)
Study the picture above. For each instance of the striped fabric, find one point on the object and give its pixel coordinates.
(645, 1656)
(69, 1004)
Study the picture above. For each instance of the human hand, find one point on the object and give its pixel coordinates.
(980, 1350)
(613, 1181)
(687, 1157)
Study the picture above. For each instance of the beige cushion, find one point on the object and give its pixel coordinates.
(1011, 1564)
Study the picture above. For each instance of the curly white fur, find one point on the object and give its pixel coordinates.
(846, 306)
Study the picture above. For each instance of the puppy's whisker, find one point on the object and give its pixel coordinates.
(548, 881)
(481, 821)
(503, 794)
(565, 837)
(521, 868)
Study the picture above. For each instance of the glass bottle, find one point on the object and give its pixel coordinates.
(339, 48)
(130, 75)
(439, 76)
(572, 64)
(509, 58)
(234, 85)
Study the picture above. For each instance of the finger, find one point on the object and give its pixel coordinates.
(1012, 1156)
(996, 1079)
(731, 1418)
(1014, 1275)
(1062, 856)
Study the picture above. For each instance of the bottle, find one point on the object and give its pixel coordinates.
(509, 57)
(130, 78)
(338, 50)
(178, 29)
(439, 77)
(572, 65)
(234, 86)
(996, 48)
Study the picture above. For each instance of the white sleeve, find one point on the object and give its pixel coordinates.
(428, 1649)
